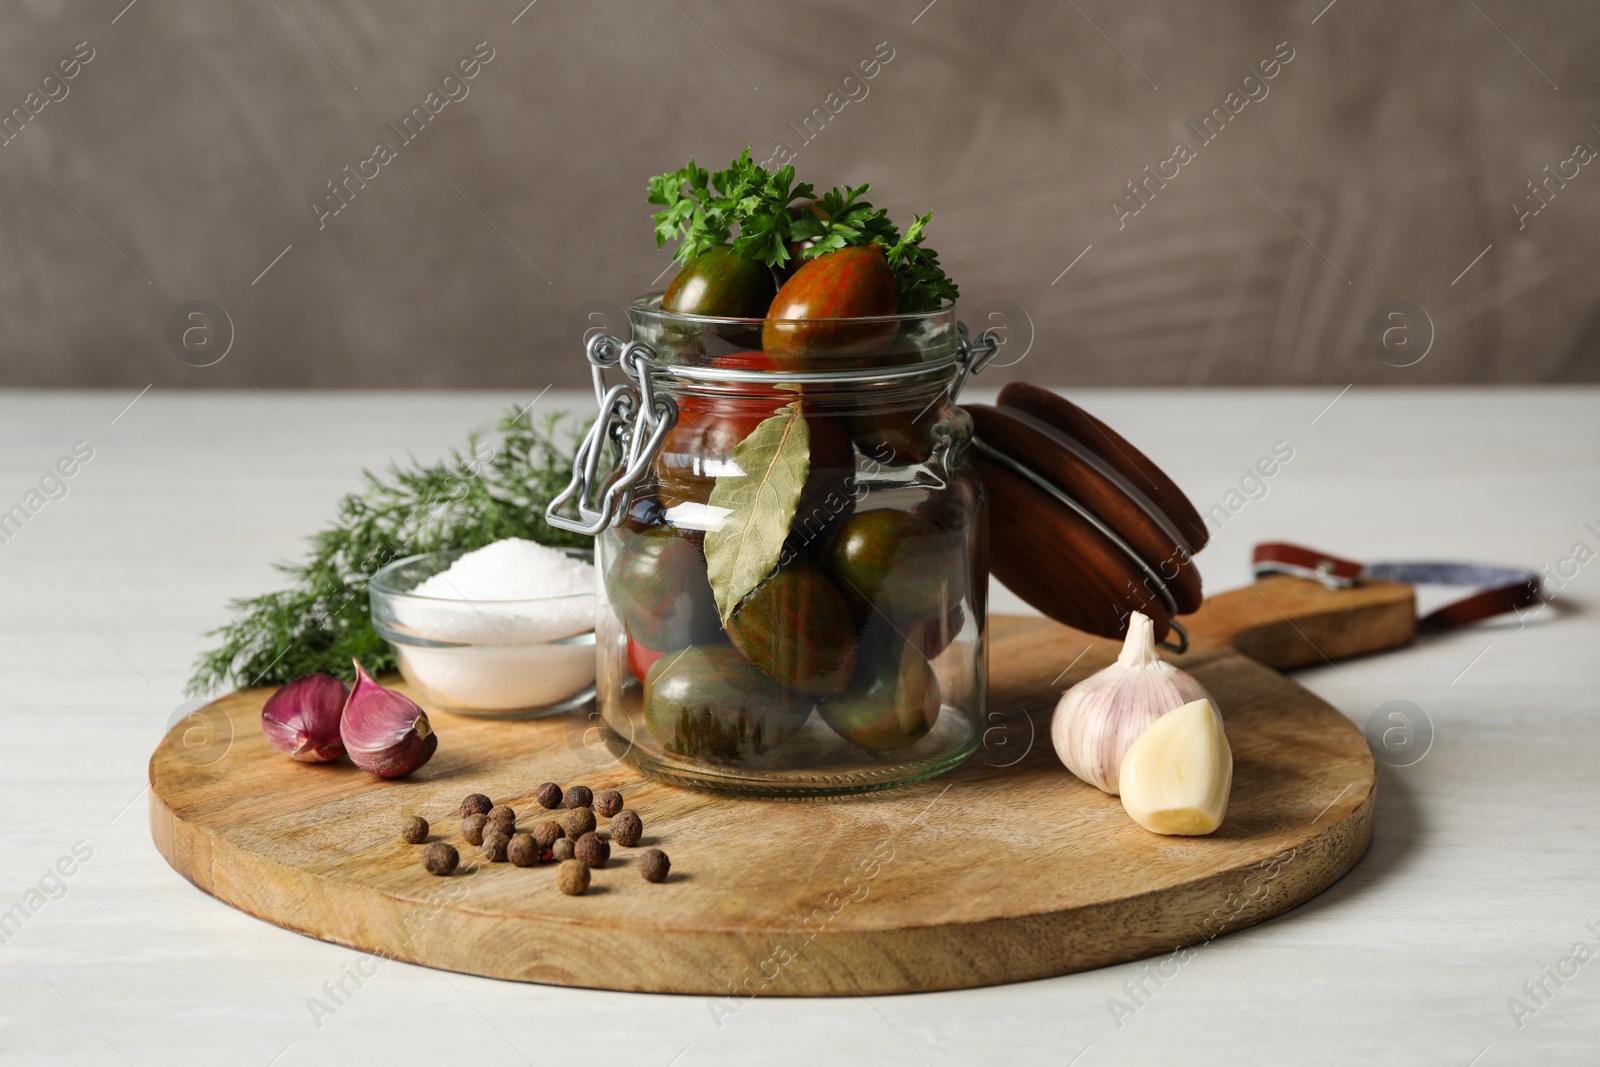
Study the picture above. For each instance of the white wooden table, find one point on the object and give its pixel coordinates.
(1485, 869)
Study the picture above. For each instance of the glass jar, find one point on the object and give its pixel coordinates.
(794, 563)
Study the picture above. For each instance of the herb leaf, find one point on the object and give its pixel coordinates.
(774, 461)
(700, 209)
(920, 283)
(847, 221)
(465, 501)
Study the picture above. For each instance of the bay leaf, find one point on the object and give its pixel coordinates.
(774, 462)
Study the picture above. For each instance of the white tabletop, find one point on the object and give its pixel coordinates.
(1482, 874)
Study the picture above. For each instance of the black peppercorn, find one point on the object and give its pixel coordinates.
(440, 858)
(522, 851)
(504, 819)
(548, 795)
(495, 844)
(592, 849)
(573, 877)
(475, 804)
(473, 826)
(415, 831)
(578, 796)
(654, 865)
(562, 849)
(546, 833)
(607, 803)
(626, 828)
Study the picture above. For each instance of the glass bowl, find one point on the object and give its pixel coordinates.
(507, 659)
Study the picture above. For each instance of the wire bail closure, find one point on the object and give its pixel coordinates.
(634, 419)
(632, 423)
(972, 356)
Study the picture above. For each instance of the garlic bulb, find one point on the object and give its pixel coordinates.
(1177, 775)
(1098, 718)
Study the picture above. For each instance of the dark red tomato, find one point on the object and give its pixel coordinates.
(897, 433)
(641, 659)
(711, 423)
(740, 405)
(846, 284)
(898, 565)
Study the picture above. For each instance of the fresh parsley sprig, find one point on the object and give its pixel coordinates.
(920, 283)
(700, 209)
(840, 219)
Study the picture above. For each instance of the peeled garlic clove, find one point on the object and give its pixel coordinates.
(1098, 718)
(385, 732)
(1177, 774)
(302, 718)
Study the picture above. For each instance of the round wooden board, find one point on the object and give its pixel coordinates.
(1007, 869)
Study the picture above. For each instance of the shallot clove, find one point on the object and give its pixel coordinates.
(385, 732)
(302, 718)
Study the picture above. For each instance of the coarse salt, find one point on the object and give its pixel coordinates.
(512, 569)
(494, 614)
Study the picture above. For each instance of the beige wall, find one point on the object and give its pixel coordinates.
(1394, 141)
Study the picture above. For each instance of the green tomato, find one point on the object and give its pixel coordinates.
(891, 704)
(897, 564)
(797, 628)
(722, 284)
(658, 585)
(707, 702)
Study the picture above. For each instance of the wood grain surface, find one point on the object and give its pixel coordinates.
(1007, 869)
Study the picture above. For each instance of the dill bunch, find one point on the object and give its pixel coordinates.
(467, 500)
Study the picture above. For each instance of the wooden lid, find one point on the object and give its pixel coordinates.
(1084, 527)
(1061, 413)
(1076, 470)
(1057, 561)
